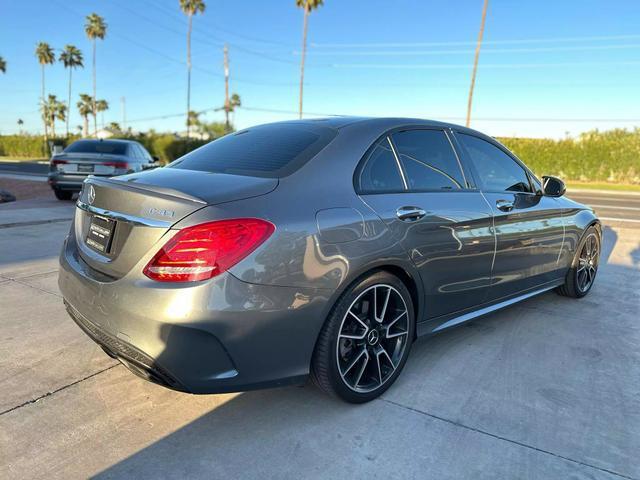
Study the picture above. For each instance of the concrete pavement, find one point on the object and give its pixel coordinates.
(546, 389)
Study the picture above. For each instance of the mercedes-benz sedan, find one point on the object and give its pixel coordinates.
(317, 248)
(101, 158)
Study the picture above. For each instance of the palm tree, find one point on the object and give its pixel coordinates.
(230, 107)
(54, 110)
(71, 57)
(308, 6)
(85, 108)
(475, 61)
(190, 8)
(20, 124)
(95, 27)
(3, 65)
(45, 56)
(101, 107)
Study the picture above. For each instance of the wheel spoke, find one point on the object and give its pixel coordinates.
(364, 325)
(379, 367)
(362, 369)
(380, 319)
(355, 361)
(386, 354)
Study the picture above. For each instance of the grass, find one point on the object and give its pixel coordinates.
(22, 159)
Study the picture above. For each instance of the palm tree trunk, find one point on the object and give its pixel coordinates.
(69, 101)
(304, 53)
(44, 116)
(475, 62)
(95, 113)
(189, 76)
(85, 126)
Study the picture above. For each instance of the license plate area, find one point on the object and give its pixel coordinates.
(100, 234)
(85, 168)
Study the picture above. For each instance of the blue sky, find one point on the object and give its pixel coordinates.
(547, 68)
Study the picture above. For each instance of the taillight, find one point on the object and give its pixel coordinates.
(59, 162)
(206, 250)
(116, 164)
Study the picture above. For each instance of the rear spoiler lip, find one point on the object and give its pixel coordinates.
(141, 187)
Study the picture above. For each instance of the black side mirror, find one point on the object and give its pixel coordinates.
(553, 186)
(155, 159)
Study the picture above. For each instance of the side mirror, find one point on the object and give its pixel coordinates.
(155, 159)
(553, 186)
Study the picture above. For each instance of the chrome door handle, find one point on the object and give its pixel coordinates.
(504, 205)
(410, 214)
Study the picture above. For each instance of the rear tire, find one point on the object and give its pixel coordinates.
(358, 357)
(582, 274)
(63, 194)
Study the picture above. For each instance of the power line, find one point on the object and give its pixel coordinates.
(488, 42)
(448, 66)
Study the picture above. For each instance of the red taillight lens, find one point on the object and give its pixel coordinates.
(58, 162)
(116, 164)
(206, 250)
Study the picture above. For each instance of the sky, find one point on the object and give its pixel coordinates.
(546, 68)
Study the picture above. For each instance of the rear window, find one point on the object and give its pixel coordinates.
(273, 151)
(97, 146)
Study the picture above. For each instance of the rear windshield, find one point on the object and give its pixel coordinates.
(97, 146)
(273, 151)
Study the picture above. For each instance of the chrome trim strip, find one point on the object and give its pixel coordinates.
(395, 155)
(464, 177)
(492, 308)
(124, 217)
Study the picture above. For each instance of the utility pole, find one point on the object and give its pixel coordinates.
(227, 105)
(475, 61)
(124, 113)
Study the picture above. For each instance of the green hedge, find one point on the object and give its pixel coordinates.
(611, 156)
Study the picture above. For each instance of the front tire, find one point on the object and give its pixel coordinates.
(366, 339)
(582, 274)
(63, 194)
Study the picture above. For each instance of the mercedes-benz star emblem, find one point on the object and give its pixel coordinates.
(91, 194)
(373, 337)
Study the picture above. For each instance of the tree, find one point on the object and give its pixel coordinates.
(115, 128)
(3, 65)
(230, 107)
(53, 110)
(45, 56)
(308, 6)
(71, 57)
(85, 108)
(101, 106)
(190, 8)
(95, 27)
(20, 124)
(475, 62)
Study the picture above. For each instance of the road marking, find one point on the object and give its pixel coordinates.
(615, 219)
(635, 209)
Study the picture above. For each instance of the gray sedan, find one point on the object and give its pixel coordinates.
(319, 248)
(102, 158)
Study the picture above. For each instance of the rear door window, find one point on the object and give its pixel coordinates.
(380, 173)
(274, 150)
(429, 160)
(498, 172)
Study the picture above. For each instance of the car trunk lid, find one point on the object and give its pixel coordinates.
(119, 220)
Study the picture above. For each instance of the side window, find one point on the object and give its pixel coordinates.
(380, 172)
(428, 160)
(497, 170)
(133, 150)
(144, 154)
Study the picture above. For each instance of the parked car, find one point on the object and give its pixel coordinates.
(317, 248)
(102, 158)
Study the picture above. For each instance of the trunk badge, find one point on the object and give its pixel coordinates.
(91, 195)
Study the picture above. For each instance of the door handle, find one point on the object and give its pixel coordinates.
(504, 205)
(410, 214)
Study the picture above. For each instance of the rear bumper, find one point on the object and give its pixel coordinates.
(70, 182)
(221, 335)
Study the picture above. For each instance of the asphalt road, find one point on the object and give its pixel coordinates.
(545, 389)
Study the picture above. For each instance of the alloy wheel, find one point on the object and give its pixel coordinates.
(372, 339)
(588, 263)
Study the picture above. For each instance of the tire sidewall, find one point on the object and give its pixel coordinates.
(576, 261)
